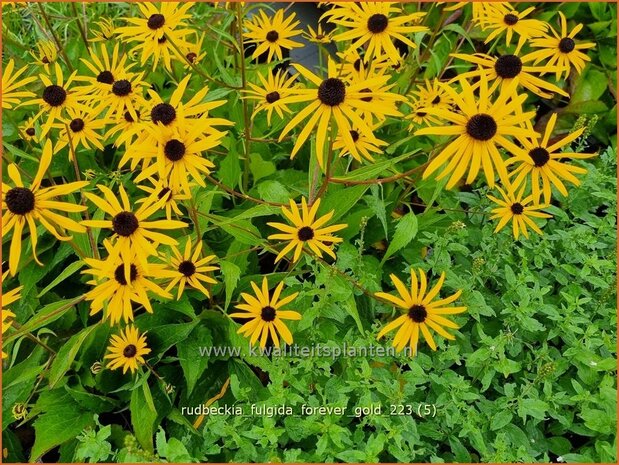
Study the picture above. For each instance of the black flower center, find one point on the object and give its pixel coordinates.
(191, 57)
(105, 77)
(305, 233)
(54, 95)
(119, 274)
(272, 97)
(517, 208)
(129, 118)
(481, 127)
(366, 91)
(121, 88)
(162, 40)
(508, 66)
(19, 200)
(163, 113)
(566, 45)
(418, 313)
(125, 223)
(130, 351)
(510, 19)
(163, 192)
(355, 135)
(30, 132)
(272, 36)
(377, 23)
(174, 150)
(156, 21)
(540, 156)
(357, 64)
(187, 268)
(45, 60)
(332, 92)
(76, 125)
(436, 100)
(268, 313)
(421, 114)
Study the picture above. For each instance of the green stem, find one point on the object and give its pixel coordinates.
(55, 37)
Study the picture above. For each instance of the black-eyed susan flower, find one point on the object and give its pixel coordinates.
(179, 155)
(430, 95)
(14, 85)
(502, 18)
(266, 315)
(501, 70)
(127, 129)
(156, 28)
(127, 350)
(132, 231)
(269, 96)
(105, 70)
(79, 129)
(318, 36)
(333, 101)
(56, 98)
(113, 292)
(542, 162)
(45, 54)
(105, 30)
(562, 50)
(188, 269)
(271, 34)
(480, 9)
(23, 206)
(512, 207)
(194, 53)
(423, 313)
(161, 190)
(479, 126)
(366, 147)
(355, 67)
(28, 130)
(124, 96)
(376, 24)
(306, 230)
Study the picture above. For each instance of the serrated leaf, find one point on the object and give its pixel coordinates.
(231, 274)
(405, 231)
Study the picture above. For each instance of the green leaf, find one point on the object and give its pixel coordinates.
(374, 169)
(342, 200)
(67, 354)
(231, 274)
(142, 419)
(191, 361)
(260, 168)
(230, 170)
(502, 418)
(405, 231)
(273, 191)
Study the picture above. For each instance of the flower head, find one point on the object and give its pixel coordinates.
(272, 34)
(127, 350)
(519, 210)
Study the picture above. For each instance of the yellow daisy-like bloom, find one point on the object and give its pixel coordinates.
(307, 230)
(56, 98)
(318, 36)
(541, 161)
(562, 50)
(179, 155)
(114, 292)
(23, 206)
(422, 313)
(432, 95)
(503, 18)
(161, 190)
(266, 314)
(332, 100)
(132, 230)
(124, 95)
(105, 70)
(271, 34)
(366, 146)
(28, 130)
(12, 82)
(156, 29)
(504, 68)
(164, 50)
(105, 31)
(127, 129)
(480, 9)
(195, 53)
(189, 269)
(45, 54)
(480, 127)
(127, 350)
(79, 129)
(355, 67)
(377, 24)
(269, 96)
(520, 211)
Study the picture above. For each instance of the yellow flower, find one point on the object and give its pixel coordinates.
(123, 98)
(479, 126)
(190, 269)
(422, 313)
(365, 146)
(127, 350)
(11, 85)
(503, 18)
(79, 129)
(307, 230)
(542, 161)
(7, 299)
(161, 190)
(46, 53)
(265, 314)
(105, 70)
(432, 95)
(318, 36)
(23, 206)
(105, 30)
(271, 34)
(377, 24)
(520, 211)
(274, 88)
(562, 49)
